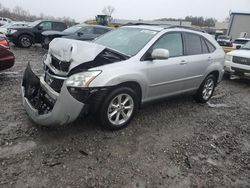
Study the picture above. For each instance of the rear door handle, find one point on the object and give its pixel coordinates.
(183, 62)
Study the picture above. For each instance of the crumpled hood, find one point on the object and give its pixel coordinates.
(74, 51)
(240, 53)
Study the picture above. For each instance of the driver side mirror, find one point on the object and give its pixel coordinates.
(160, 54)
(238, 47)
(80, 34)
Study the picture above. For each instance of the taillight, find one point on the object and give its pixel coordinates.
(5, 43)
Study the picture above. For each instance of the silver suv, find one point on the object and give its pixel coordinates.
(118, 72)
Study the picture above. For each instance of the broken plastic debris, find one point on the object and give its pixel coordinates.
(217, 105)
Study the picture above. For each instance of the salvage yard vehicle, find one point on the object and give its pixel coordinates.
(239, 42)
(4, 21)
(79, 32)
(4, 28)
(225, 40)
(32, 34)
(4, 41)
(238, 62)
(121, 70)
(7, 58)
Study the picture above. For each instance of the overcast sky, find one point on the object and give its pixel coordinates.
(132, 9)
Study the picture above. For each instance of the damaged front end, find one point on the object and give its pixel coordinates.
(35, 94)
(44, 105)
(62, 93)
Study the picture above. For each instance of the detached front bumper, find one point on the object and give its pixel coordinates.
(44, 105)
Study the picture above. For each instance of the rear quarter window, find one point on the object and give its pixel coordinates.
(210, 46)
(205, 48)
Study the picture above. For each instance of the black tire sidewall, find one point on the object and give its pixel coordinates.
(198, 97)
(20, 42)
(103, 118)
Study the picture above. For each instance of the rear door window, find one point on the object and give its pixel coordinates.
(172, 42)
(193, 44)
(59, 26)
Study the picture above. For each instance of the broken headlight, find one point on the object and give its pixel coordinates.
(82, 79)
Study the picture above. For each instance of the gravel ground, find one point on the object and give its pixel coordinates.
(175, 143)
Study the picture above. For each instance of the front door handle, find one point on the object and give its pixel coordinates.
(183, 62)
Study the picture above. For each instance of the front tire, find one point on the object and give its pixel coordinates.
(25, 41)
(119, 108)
(206, 90)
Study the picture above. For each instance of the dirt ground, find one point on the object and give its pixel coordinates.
(175, 143)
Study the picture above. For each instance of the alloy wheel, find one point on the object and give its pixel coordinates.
(208, 89)
(120, 109)
(25, 41)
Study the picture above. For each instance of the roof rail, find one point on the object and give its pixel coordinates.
(186, 27)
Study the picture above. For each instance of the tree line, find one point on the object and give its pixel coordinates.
(196, 21)
(19, 14)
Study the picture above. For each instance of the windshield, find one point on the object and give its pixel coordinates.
(128, 41)
(33, 24)
(73, 29)
(246, 46)
(224, 37)
(238, 41)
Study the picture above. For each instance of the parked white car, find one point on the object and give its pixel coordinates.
(239, 42)
(4, 21)
(4, 28)
(238, 61)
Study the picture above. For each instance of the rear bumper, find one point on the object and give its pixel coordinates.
(45, 106)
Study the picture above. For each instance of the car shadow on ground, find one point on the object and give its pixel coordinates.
(89, 125)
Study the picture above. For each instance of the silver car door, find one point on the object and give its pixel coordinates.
(198, 59)
(165, 77)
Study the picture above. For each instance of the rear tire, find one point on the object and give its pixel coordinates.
(119, 108)
(206, 90)
(25, 41)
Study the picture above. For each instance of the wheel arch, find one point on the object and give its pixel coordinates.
(216, 73)
(133, 85)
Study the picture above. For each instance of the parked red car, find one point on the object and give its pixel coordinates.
(7, 58)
